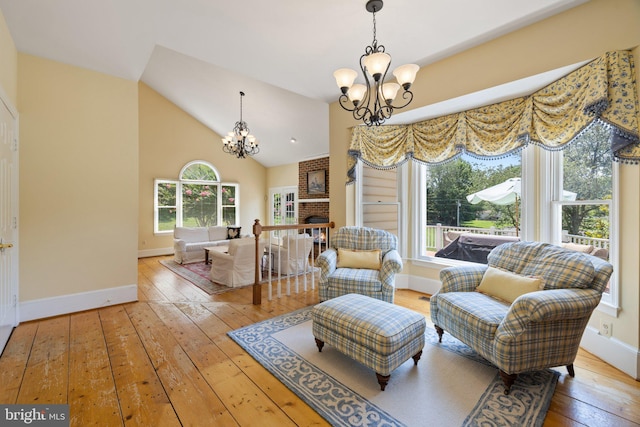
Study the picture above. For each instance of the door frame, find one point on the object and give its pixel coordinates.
(13, 285)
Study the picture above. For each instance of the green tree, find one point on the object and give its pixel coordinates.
(588, 172)
(447, 187)
(200, 199)
(200, 204)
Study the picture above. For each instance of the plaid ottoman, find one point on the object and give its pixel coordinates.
(380, 335)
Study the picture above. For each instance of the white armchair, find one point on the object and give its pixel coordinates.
(237, 266)
(292, 256)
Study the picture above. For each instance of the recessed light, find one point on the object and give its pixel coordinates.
(293, 140)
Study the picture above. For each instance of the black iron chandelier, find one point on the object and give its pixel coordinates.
(240, 142)
(372, 102)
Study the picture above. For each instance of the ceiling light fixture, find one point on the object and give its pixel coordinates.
(372, 102)
(240, 142)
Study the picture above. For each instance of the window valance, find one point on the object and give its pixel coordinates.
(603, 90)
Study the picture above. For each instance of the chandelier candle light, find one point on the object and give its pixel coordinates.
(240, 142)
(372, 102)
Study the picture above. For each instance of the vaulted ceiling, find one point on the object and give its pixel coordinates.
(282, 53)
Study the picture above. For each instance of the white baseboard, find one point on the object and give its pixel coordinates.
(155, 252)
(616, 353)
(401, 281)
(65, 304)
(418, 284)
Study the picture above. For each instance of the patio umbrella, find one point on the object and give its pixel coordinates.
(507, 193)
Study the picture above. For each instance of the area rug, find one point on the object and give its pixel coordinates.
(450, 386)
(198, 274)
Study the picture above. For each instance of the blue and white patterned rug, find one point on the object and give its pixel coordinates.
(451, 386)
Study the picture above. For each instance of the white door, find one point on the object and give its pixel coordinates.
(8, 223)
(284, 207)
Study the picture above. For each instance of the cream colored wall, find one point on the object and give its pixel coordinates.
(169, 139)
(78, 179)
(283, 176)
(8, 63)
(578, 34)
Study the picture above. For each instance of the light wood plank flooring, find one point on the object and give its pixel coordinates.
(166, 360)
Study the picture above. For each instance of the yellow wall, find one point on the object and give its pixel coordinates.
(169, 139)
(8, 63)
(78, 179)
(578, 34)
(283, 176)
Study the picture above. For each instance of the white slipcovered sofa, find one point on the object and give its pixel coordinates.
(237, 266)
(189, 242)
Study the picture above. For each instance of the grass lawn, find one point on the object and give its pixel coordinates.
(479, 223)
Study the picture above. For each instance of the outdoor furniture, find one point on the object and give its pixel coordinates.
(380, 335)
(349, 266)
(237, 267)
(526, 310)
(473, 247)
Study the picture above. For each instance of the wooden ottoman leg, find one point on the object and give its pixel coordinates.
(416, 357)
(320, 344)
(383, 380)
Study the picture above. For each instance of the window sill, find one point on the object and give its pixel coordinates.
(608, 309)
(438, 263)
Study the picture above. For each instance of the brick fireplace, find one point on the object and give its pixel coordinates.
(316, 204)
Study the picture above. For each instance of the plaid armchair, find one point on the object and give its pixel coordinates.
(375, 283)
(539, 329)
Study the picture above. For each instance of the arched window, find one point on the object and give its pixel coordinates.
(197, 199)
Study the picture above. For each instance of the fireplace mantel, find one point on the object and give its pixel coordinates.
(313, 200)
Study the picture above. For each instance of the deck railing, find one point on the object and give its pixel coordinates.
(436, 236)
(264, 260)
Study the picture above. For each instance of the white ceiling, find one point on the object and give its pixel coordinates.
(282, 53)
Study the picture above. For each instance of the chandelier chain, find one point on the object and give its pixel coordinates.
(375, 41)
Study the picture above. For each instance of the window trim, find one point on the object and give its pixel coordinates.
(156, 206)
(610, 302)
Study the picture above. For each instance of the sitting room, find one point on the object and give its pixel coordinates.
(118, 161)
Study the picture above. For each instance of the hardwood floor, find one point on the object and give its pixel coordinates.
(166, 360)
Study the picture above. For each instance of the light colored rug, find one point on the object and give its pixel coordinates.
(451, 386)
(198, 274)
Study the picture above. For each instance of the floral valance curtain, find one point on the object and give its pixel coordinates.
(603, 90)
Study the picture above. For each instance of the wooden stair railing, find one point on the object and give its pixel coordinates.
(257, 232)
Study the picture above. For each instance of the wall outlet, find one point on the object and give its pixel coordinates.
(605, 328)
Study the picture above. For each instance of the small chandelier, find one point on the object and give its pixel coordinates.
(372, 102)
(240, 142)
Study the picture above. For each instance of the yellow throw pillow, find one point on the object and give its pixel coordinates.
(351, 258)
(507, 286)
